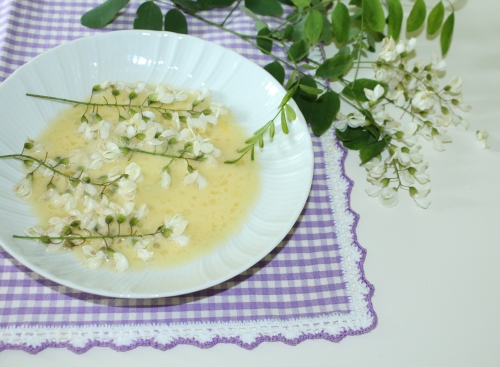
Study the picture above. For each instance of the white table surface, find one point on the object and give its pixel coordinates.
(436, 272)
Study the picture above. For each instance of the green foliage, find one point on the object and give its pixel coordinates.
(373, 14)
(264, 7)
(263, 41)
(325, 110)
(417, 16)
(314, 26)
(435, 19)
(395, 19)
(341, 22)
(298, 50)
(357, 27)
(103, 14)
(276, 70)
(447, 33)
(149, 16)
(335, 66)
(175, 21)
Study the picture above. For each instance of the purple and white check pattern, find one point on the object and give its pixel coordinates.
(305, 278)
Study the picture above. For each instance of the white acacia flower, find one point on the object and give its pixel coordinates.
(438, 140)
(388, 50)
(482, 138)
(218, 109)
(455, 86)
(404, 46)
(101, 129)
(133, 170)
(401, 156)
(376, 168)
(375, 188)
(356, 119)
(165, 179)
(126, 188)
(374, 95)
(193, 177)
(420, 196)
(48, 195)
(93, 258)
(142, 211)
(201, 145)
(437, 63)
(204, 94)
(125, 210)
(111, 152)
(177, 224)
(142, 252)
(121, 262)
(424, 100)
(23, 188)
(388, 197)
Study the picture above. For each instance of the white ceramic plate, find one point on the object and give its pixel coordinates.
(71, 70)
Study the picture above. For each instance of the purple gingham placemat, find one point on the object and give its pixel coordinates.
(311, 286)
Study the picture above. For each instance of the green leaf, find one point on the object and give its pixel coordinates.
(216, 3)
(356, 89)
(299, 29)
(287, 34)
(356, 2)
(340, 22)
(314, 26)
(310, 90)
(435, 18)
(371, 151)
(447, 33)
(298, 50)
(373, 13)
(290, 113)
(349, 133)
(264, 7)
(308, 67)
(301, 3)
(191, 6)
(284, 125)
(304, 100)
(102, 14)
(335, 66)
(395, 18)
(149, 16)
(361, 142)
(417, 16)
(276, 70)
(325, 110)
(265, 44)
(260, 25)
(175, 21)
(326, 33)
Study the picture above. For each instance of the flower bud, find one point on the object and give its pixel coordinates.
(385, 181)
(132, 112)
(84, 119)
(96, 88)
(133, 221)
(167, 115)
(413, 191)
(208, 111)
(121, 118)
(46, 240)
(28, 162)
(97, 117)
(109, 219)
(153, 97)
(412, 170)
(121, 219)
(64, 161)
(445, 111)
(132, 95)
(29, 176)
(166, 232)
(75, 224)
(172, 141)
(115, 92)
(74, 182)
(399, 134)
(66, 231)
(86, 179)
(145, 118)
(28, 145)
(50, 185)
(140, 136)
(196, 103)
(405, 150)
(182, 118)
(190, 169)
(125, 150)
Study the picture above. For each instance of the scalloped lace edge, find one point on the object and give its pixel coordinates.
(334, 326)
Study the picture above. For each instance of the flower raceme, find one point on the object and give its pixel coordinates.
(98, 212)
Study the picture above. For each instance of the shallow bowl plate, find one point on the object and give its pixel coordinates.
(252, 95)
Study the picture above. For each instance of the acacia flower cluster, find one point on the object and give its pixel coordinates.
(426, 110)
(95, 213)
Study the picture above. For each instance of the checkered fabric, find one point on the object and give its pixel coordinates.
(302, 278)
